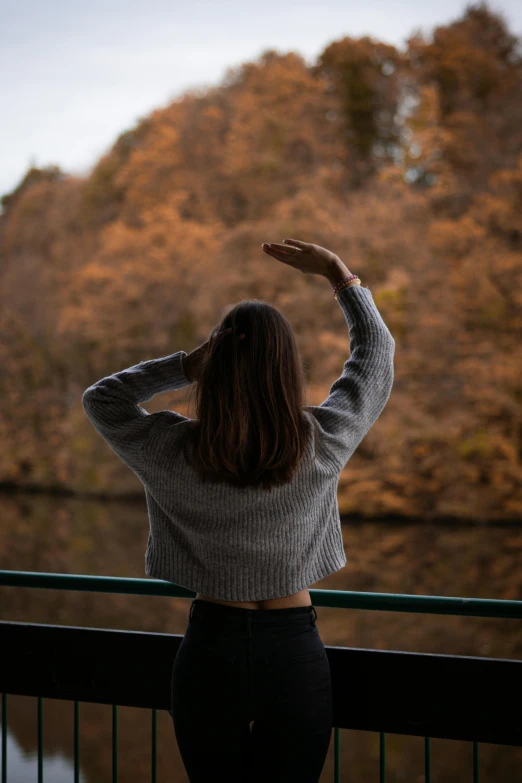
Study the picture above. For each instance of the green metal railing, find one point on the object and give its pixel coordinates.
(470, 607)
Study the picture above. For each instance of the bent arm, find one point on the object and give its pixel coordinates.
(112, 405)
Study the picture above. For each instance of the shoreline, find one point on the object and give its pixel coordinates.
(355, 518)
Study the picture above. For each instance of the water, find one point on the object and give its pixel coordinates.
(22, 766)
(43, 533)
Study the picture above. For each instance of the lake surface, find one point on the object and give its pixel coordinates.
(70, 535)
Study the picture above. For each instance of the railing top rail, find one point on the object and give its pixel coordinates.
(341, 599)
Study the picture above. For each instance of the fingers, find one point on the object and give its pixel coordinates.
(284, 258)
(281, 248)
(296, 243)
(280, 255)
(219, 335)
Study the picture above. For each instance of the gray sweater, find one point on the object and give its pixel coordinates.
(246, 544)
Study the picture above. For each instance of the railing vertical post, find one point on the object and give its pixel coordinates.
(76, 742)
(427, 760)
(4, 737)
(337, 756)
(153, 744)
(114, 743)
(40, 739)
(475, 762)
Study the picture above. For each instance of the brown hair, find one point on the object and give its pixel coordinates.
(250, 427)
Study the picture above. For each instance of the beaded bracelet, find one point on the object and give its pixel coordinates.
(346, 282)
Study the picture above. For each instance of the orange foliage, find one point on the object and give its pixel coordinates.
(406, 165)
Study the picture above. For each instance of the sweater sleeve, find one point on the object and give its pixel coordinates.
(358, 397)
(111, 405)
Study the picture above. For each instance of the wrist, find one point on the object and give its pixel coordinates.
(186, 367)
(337, 272)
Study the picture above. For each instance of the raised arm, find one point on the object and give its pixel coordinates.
(358, 397)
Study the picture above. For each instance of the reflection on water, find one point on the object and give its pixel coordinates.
(22, 766)
(109, 538)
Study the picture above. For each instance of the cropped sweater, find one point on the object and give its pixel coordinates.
(245, 543)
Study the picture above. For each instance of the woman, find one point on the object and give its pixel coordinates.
(242, 506)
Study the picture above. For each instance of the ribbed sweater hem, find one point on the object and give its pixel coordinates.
(183, 576)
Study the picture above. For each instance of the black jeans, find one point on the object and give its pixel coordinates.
(238, 665)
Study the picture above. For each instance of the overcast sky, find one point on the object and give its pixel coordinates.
(76, 73)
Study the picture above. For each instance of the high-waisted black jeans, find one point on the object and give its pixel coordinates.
(238, 665)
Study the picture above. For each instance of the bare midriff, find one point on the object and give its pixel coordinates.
(302, 598)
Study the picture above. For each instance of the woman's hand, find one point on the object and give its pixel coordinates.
(309, 259)
(192, 361)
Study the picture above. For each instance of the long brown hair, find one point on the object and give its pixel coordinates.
(250, 427)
